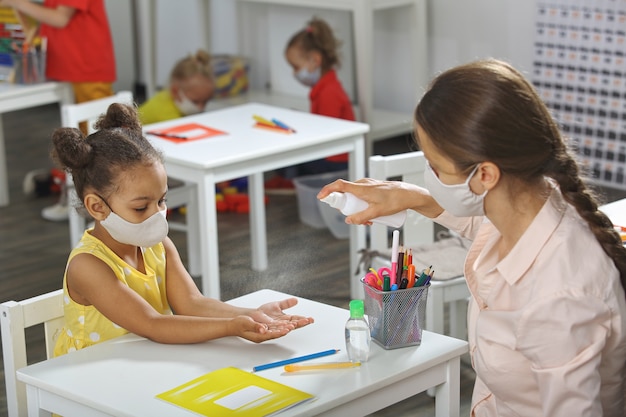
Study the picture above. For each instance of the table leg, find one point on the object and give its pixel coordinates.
(258, 229)
(4, 176)
(356, 170)
(209, 250)
(32, 400)
(448, 394)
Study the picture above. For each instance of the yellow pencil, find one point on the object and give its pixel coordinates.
(326, 365)
(263, 121)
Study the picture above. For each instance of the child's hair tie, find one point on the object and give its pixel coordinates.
(308, 29)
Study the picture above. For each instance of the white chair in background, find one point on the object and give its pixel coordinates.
(418, 233)
(15, 318)
(178, 195)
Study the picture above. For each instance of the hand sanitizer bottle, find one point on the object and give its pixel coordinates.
(357, 333)
(349, 204)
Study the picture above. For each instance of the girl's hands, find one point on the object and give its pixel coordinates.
(273, 312)
(269, 321)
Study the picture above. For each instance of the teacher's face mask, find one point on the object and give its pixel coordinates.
(457, 199)
(145, 234)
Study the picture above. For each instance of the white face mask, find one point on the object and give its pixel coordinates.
(145, 234)
(309, 78)
(457, 199)
(186, 106)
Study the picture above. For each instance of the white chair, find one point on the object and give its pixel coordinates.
(180, 194)
(15, 317)
(418, 233)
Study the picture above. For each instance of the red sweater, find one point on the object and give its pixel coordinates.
(328, 98)
(82, 51)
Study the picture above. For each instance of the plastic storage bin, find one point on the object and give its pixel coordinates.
(309, 208)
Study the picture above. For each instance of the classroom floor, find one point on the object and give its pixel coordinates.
(33, 251)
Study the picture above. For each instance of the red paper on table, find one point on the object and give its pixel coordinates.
(186, 132)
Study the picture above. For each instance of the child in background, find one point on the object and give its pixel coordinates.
(191, 86)
(79, 51)
(126, 274)
(313, 54)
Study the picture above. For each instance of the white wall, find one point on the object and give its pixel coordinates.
(121, 21)
(459, 31)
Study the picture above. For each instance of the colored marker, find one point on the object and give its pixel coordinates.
(294, 360)
(423, 277)
(327, 365)
(394, 255)
(411, 276)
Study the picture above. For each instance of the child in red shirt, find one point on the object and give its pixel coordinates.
(313, 54)
(79, 51)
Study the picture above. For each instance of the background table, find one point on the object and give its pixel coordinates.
(121, 377)
(249, 151)
(17, 97)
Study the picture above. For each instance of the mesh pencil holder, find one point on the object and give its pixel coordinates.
(396, 318)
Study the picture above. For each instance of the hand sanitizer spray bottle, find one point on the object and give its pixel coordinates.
(349, 204)
(357, 333)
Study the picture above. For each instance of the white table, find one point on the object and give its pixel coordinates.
(17, 97)
(248, 151)
(121, 377)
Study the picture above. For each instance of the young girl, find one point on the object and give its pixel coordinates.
(313, 54)
(547, 270)
(126, 275)
(191, 86)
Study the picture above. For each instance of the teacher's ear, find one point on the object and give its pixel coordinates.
(489, 175)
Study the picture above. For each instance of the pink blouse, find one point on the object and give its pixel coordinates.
(547, 323)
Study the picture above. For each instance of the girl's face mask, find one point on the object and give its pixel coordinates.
(457, 199)
(145, 234)
(309, 78)
(186, 106)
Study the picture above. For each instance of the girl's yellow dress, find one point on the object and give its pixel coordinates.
(86, 326)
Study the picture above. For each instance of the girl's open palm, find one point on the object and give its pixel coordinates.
(273, 314)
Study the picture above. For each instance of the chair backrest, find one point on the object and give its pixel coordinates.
(15, 318)
(408, 167)
(89, 111)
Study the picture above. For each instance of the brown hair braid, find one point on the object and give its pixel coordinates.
(487, 111)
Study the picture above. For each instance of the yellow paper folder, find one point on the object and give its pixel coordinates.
(234, 392)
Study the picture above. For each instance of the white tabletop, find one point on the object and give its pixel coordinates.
(122, 377)
(243, 142)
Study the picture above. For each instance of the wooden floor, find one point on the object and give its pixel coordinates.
(303, 261)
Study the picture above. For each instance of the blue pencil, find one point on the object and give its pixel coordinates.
(282, 125)
(294, 360)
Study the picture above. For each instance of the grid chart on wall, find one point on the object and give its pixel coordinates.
(579, 70)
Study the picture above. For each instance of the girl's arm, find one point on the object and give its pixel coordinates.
(184, 297)
(93, 283)
(58, 17)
